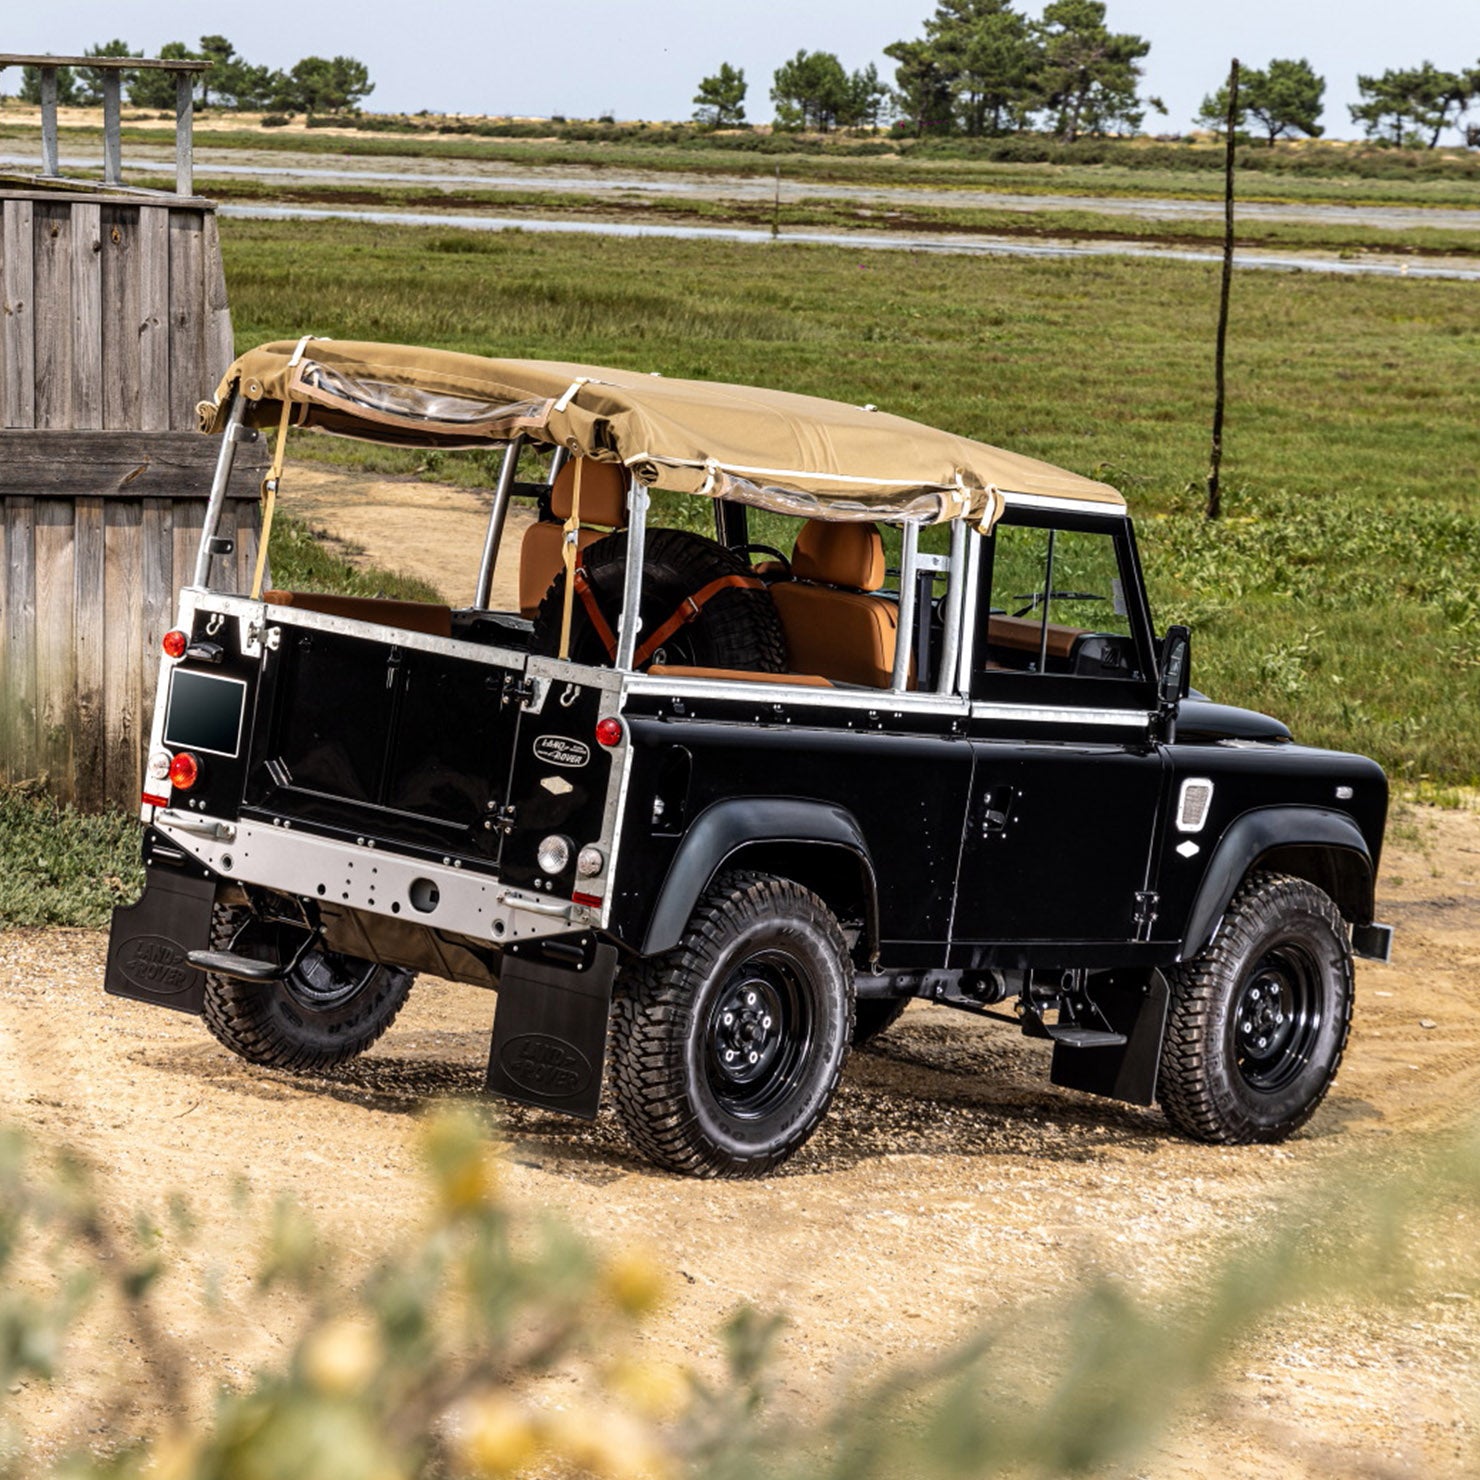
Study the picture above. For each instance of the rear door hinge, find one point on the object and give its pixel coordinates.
(504, 819)
(1147, 901)
(517, 690)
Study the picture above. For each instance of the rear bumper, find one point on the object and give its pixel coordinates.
(365, 877)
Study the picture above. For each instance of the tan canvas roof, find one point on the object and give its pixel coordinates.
(795, 454)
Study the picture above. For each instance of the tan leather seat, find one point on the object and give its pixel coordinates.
(603, 502)
(833, 625)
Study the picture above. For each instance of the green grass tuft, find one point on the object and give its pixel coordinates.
(59, 866)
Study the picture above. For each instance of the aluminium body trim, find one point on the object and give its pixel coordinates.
(1052, 505)
(376, 880)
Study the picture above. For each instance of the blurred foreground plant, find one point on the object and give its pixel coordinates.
(431, 1366)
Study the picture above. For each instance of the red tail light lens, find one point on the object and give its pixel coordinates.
(174, 643)
(609, 731)
(184, 771)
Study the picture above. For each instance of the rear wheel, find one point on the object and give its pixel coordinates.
(329, 1009)
(726, 1050)
(1259, 1021)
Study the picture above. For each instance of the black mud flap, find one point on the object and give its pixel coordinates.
(149, 941)
(1127, 1071)
(549, 1031)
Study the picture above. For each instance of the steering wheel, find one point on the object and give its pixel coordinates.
(766, 550)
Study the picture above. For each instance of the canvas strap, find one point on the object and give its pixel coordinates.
(569, 552)
(688, 610)
(269, 496)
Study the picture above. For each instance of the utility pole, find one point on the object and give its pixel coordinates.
(1215, 505)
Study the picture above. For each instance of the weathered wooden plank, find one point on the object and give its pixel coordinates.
(123, 655)
(20, 636)
(220, 347)
(190, 380)
(56, 666)
(18, 333)
(154, 316)
(135, 194)
(53, 315)
(188, 520)
(248, 526)
(122, 383)
(159, 542)
(6, 706)
(87, 317)
(90, 624)
(108, 464)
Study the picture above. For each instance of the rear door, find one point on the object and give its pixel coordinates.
(1067, 776)
(392, 736)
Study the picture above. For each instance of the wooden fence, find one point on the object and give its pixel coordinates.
(115, 324)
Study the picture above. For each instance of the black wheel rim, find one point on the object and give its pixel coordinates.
(1277, 1018)
(323, 980)
(759, 1035)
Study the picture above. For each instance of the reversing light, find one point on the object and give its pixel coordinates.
(159, 765)
(589, 861)
(609, 731)
(174, 643)
(184, 771)
(553, 854)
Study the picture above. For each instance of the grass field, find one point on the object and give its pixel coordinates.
(1339, 591)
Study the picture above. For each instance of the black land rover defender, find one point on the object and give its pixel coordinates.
(707, 814)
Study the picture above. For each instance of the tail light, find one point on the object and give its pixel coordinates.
(184, 771)
(609, 731)
(174, 643)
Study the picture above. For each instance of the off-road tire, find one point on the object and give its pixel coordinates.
(738, 627)
(750, 936)
(873, 1016)
(280, 1025)
(1259, 1021)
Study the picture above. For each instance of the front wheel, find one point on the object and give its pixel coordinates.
(726, 1050)
(1259, 1021)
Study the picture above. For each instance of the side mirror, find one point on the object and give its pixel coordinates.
(1176, 667)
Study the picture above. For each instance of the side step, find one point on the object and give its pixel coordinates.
(244, 968)
(1070, 1036)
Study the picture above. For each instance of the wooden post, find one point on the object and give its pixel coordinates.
(50, 163)
(112, 128)
(184, 142)
(1214, 506)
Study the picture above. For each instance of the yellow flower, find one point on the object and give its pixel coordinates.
(608, 1444)
(463, 1162)
(342, 1358)
(495, 1437)
(655, 1390)
(634, 1283)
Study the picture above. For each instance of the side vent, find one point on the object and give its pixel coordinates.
(1193, 802)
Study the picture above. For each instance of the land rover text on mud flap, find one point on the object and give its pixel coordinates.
(707, 813)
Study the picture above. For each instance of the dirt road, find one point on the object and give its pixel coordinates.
(950, 1184)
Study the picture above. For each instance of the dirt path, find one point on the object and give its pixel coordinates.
(950, 1185)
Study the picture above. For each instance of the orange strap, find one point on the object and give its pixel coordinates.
(688, 610)
(593, 612)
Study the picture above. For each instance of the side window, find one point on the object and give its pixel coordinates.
(1056, 608)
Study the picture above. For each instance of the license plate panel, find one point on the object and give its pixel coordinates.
(205, 712)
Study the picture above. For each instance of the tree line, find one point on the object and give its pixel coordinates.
(983, 69)
(310, 85)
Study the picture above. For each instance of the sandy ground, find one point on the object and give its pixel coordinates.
(949, 1186)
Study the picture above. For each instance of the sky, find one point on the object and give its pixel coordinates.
(642, 59)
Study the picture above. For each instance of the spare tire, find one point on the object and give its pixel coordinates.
(736, 627)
